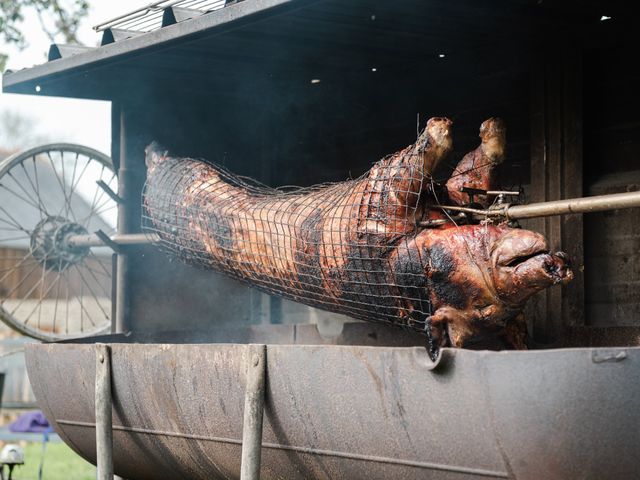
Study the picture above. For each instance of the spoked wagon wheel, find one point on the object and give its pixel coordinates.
(49, 289)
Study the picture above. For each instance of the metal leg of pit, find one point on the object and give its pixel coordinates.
(253, 412)
(252, 423)
(104, 427)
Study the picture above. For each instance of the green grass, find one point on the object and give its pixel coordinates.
(60, 463)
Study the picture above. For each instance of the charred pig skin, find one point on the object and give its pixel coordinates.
(355, 247)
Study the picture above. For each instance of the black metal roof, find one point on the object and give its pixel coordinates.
(291, 42)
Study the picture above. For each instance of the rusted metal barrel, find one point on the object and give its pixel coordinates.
(349, 412)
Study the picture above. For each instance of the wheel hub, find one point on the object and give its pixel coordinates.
(50, 246)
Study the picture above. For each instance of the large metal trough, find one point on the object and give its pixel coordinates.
(350, 412)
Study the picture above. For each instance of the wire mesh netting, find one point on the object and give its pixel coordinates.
(365, 247)
(332, 246)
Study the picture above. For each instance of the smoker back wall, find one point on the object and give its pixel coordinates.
(320, 132)
(241, 94)
(273, 124)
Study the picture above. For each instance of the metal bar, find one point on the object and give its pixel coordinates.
(597, 203)
(253, 413)
(120, 323)
(474, 211)
(104, 431)
(151, 6)
(93, 240)
(114, 196)
(107, 241)
(480, 191)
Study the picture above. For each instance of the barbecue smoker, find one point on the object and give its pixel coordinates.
(206, 378)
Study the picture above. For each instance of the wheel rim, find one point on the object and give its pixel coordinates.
(48, 289)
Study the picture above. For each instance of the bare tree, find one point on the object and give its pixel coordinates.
(17, 131)
(58, 18)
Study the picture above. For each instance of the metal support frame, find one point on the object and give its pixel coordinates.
(104, 431)
(108, 242)
(253, 412)
(120, 322)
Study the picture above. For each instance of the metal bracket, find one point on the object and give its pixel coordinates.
(104, 426)
(480, 191)
(253, 413)
(114, 196)
(108, 242)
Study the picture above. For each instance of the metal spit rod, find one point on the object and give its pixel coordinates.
(596, 203)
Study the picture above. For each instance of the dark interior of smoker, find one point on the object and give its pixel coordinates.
(318, 91)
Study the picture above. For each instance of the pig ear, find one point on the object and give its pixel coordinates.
(434, 143)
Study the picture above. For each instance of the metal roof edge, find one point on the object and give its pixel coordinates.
(13, 82)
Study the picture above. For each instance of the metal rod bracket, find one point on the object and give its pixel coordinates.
(108, 241)
(107, 189)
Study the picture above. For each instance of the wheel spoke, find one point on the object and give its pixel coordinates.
(83, 310)
(99, 262)
(17, 265)
(55, 308)
(15, 222)
(98, 282)
(97, 272)
(11, 239)
(13, 266)
(47, 291)
(84, 169)
(26, 296)
(18, 285)
(42, 209)
(95, 195)
(95, 298)
(27, 200)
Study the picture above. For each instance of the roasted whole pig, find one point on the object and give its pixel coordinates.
(356, 247)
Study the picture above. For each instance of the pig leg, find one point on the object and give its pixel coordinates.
(515, 333)
(478, 168)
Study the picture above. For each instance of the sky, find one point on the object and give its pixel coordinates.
(59, 119)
